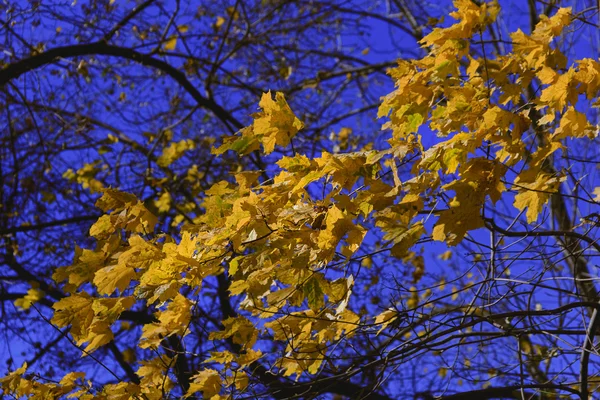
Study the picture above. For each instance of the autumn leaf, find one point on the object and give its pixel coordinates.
(33, 296)
(174, 152)
(170, 43)
(314, 293)
(534, 192)
(173, 321)
(276, 124)
(239, 329)
(113, 277)
(153, 374)
(206, 381)
(596, 194)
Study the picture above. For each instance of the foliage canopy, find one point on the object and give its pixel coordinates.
(449, 255)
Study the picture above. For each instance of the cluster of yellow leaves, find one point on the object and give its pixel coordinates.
(174, 152)
(90, 318)
(275, 125)
(209, 382)
(71, 386)
(173, 321)
(471, 117)
(279, 245)
(471, 18)
(154, 382)
(128, 213)
(86, 176)
(307, 334)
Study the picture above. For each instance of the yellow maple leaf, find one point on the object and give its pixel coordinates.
(243, 142)
(338, 224)
(249, 357)
(173, 321)
(460, 217)
(33, 296)
(75, 310)
(239, 329)
(386, 318)
(207, 381)
(90, 318)
(85, 264)
(113, 277)
(163, 204)
(154, 373)
(170, 43)
(115, 200)
(103, 227)
(596, 194)
(122, 391)
(534, 192)
(550, 27)
(470, 16)
(573, 124)
(14, 383)
(558, 94)
(141, 254)
(276, 124)
(239, 380)
(219, 22)
(174, 152)
(531, 49)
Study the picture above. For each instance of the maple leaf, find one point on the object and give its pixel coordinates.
(14, 383)
(337, 225)
(113, 277)
(563, 91)
(33, 296)
(243, 143)
(470, 16)
(534, 191)
(276, 124)
(163, 204)
(174, 152)
(115, 200)
(461, 217)
(550, 27)
(207, 381)
(75, 309)
(573, 124)
(153, 373)
(171, 43)
(103, 228)
(239, 329)
(90, 318)
(121, 391)
(173, 321)
(588, 76)
(596, 194)
(85, 264)
(240, 380)
(313, 292)
(385, 318)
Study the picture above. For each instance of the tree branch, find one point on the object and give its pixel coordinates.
(15, 70)
(49, 224)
